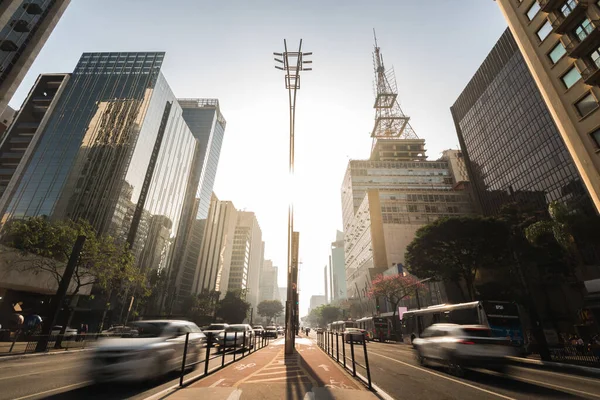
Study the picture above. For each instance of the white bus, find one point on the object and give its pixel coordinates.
(503, 318)
(340, 326)
(377, 328)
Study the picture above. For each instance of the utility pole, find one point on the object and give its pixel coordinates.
(292, 63)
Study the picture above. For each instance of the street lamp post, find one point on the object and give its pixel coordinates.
(292, 62)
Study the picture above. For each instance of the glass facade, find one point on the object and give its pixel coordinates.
(513, 150)
(116, 151)
(206, 122)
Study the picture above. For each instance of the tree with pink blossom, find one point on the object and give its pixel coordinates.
(394, 288)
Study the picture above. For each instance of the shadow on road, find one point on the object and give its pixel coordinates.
(506, 381)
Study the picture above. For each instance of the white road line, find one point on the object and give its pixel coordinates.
(559, 374)
(38, 372)
(235, 395)
(445, 377)
(80, 384)
(549, 384)
(217, 383)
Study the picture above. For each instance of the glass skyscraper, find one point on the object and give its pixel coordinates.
(512, 148)
(116, 151)
(204, 118)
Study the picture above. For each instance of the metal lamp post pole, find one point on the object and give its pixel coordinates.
(292, 63)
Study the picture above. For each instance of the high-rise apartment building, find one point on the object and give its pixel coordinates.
(387, 198)
(204, 118)
(20, 140)
(512, 147)
(246, 257)
(560, 43)
(112, 149)
(24, 28)
(213, 269)
(269, 290)
(338, 268)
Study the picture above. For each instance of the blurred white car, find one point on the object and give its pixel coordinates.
(236, 335)
(155, 349)
(462, 346)
(70, 333)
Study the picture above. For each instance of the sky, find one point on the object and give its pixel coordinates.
(224, 49)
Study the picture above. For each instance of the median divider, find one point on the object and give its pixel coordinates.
(329, 342)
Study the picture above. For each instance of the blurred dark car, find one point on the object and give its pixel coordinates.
(236, 335)
(258, 330)
(213, 330)
(459, 347)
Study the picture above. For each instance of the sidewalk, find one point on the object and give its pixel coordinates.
(271, 375)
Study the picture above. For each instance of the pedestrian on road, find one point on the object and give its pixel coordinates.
(307, 330)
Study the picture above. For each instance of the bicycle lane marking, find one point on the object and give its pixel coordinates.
(444, 377)
(272, 371)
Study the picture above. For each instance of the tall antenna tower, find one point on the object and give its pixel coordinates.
(390, 120)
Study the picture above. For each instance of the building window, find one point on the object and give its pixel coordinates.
(557, 52)
(595, 57)
(586, 104)
(544, 30)
(568, 7)
(571, 77)
(596, 137)
(584, 29)
(533, 10)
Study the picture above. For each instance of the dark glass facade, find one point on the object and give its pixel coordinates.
(206, 122)
(513, 150)
(116, 151)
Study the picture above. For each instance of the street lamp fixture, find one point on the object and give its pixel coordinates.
(292, 62)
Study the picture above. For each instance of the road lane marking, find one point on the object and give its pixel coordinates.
(37, 372)
(597, 381)
(445, 377)
(518, 378)
(80, 384)
(217, 383)
(235, 395)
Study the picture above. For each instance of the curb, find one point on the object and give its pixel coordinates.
(48, 353)
(556, 366)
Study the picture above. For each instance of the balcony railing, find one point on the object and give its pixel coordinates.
(564, 21)
(591, 75)
(550, 5)
(583, 42)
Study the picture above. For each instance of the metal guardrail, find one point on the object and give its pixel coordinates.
(258, 342)
(325, 340)
(587, 355)
(23, 342)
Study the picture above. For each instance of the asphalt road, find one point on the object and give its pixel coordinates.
(394, 369)
(63, 376)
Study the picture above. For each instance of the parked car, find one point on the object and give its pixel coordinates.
(236, 335)
(319, 330)
(155, 350)
(213, 331)
(354, 335)
(70, 333)
(280, 330)
(271, 331)
(462, 346)
(258, 330)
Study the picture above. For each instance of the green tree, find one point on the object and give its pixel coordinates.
(270, 309)
(329, 313)
(102, 262)
(394, 289)
(201, 308)
(233, 308)
(454, 249)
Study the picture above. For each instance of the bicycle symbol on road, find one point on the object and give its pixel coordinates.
(242, 367)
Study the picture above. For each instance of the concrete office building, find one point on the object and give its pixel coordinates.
(20, 140)
(269, 290)
(6, 118)
(512, 147)
(246, 257)
(204, 118)
(24, 28)
(212, 273)
(338, 268)
(316, 301)
(560, 43)
(388, 197)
